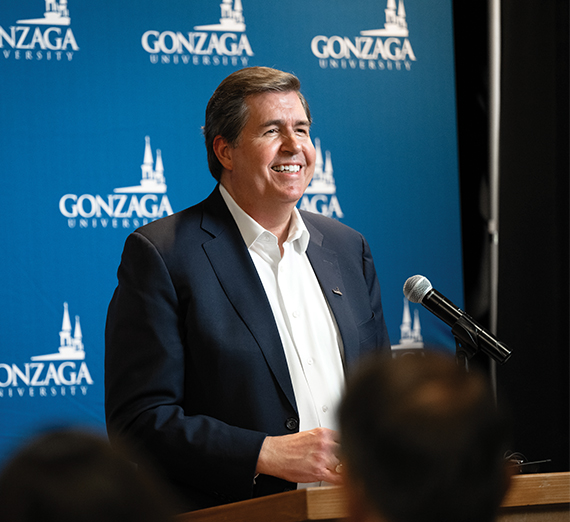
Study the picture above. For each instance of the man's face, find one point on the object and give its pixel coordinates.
(274, 159)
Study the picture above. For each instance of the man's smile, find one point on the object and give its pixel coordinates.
(286, 168)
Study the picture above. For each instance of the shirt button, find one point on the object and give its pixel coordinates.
(291, 423)
(325, 408)
(296, 314)
(309, 360)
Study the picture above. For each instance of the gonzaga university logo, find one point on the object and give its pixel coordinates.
(386, 48)
(410, 332)
(127, 207)
(64, 372)
(224, 43)
(45, 38)
(320, 196)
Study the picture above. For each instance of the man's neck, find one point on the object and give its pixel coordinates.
(274, 218)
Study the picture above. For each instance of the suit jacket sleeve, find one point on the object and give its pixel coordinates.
(146, 385)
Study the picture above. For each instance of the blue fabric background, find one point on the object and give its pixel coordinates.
(79, 96)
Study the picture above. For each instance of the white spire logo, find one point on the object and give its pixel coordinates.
(51, 375)
(225, 43)
(152, 180)
(410, 332)
(395, 25)
(54, 43)
(231, 20)
(56, 13)
(70, 348)
(127, 207)
(323, 181)
(383, 49)
(320, 195)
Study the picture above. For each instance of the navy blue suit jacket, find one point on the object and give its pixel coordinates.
(194, 366)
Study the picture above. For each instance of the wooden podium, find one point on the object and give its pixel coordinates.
(543, 497)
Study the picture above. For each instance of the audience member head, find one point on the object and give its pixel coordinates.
(227, 110)
(422, 440)
(66, 476)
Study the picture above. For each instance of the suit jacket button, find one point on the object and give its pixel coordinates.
(291, 423)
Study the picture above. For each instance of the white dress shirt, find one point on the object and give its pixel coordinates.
(307, 328)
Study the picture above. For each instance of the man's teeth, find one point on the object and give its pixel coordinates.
(287, 168)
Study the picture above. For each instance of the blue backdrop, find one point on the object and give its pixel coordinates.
(101, 107)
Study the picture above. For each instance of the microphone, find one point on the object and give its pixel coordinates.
(418, 289)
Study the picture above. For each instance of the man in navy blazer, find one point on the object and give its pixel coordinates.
(199, 346)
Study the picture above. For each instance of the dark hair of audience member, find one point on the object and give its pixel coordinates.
(424, 440)
(69, 476)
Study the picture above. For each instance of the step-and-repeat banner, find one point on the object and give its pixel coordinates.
(101, 108)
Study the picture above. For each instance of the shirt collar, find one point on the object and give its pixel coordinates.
(251, 230)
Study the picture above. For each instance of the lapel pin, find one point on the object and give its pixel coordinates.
(337, 291)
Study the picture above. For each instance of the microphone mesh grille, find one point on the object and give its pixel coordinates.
(416, 287)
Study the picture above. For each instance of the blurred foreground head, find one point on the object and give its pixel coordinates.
(69, 476)
(422, 440)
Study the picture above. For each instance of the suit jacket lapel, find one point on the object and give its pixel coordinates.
(236, 272)
(328, 272)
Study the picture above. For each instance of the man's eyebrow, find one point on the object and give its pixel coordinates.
(270, 123)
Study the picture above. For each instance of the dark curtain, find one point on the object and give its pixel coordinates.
(533, 293)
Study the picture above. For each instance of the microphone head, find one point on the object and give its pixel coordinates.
(416, 288)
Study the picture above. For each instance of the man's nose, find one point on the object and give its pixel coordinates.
(291, 143)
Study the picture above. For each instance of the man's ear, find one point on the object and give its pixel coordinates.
(223, 152)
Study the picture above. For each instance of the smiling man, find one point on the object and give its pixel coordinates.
(270, 167)
(234, 321)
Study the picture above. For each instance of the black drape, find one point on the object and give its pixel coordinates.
(533, 290)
